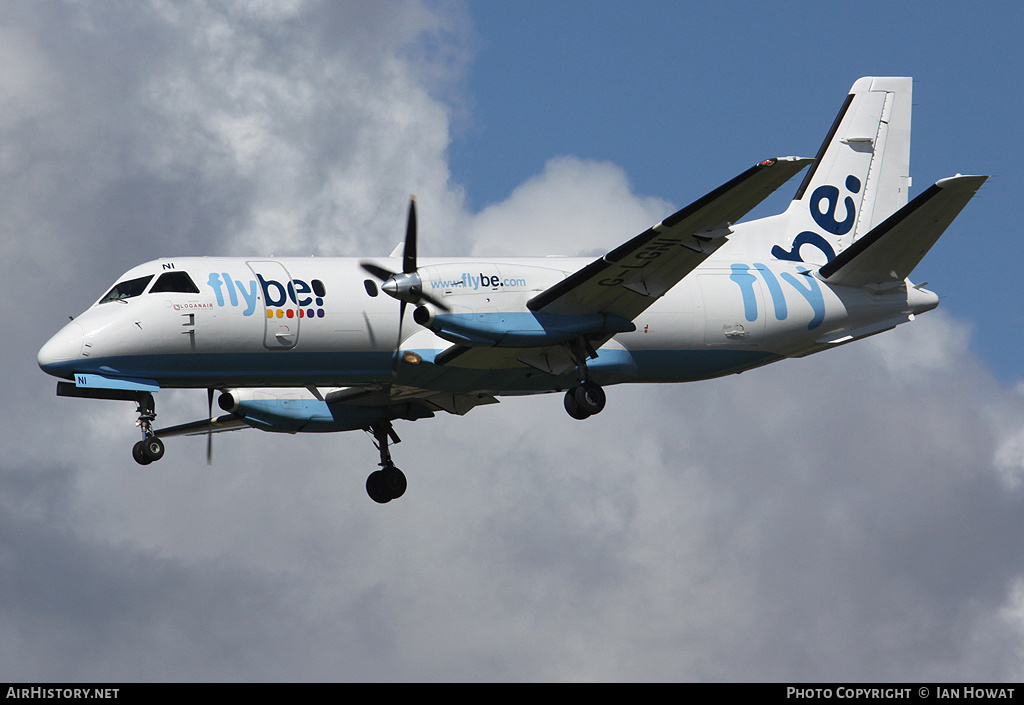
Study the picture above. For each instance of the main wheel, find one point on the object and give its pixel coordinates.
(386, 484)
(572, 407)
(394, 480)
(376, 489)
(590, 398)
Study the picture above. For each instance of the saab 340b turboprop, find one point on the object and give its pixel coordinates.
(310, 345)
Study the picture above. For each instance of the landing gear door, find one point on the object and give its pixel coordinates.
(280, 312)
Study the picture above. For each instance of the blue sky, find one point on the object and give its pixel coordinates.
(683, 96)
(851, 516)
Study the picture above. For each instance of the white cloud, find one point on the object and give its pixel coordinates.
(574, 207)
(323, 125)
(853, 515)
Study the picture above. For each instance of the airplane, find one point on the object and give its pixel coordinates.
(293, 345)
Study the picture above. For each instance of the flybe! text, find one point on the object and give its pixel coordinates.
(234, 292)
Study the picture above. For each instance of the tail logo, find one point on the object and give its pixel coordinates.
(825, 219)
(804, 238)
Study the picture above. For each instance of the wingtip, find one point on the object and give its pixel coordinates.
(792, 160)
(965, 181)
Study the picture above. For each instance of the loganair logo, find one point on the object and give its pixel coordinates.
(476, 281)
(824, 205)
(294, 299)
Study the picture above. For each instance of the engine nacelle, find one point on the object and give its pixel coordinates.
(519, 329)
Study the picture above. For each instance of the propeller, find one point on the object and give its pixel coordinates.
(209, 427)
(407, 285)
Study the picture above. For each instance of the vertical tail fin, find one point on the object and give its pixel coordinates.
(861, 174)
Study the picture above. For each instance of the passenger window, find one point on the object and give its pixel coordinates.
(370, 286)
(179, 282)
(318, 288)
(127, 289)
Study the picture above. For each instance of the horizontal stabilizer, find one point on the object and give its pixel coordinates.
(889, 252)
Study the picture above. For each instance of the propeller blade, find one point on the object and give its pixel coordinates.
(406, 286)
(209, 429)
(398, 343)
(409, 253)
(377, 271)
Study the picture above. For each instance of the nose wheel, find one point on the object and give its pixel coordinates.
(389, 482)
(148, 450)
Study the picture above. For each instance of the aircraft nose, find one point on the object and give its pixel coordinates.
(65, 346)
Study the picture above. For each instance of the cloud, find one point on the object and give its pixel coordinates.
(853, 515)
(574, 207)
(247, 102)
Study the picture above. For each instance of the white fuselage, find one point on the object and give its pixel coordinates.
(261, 323)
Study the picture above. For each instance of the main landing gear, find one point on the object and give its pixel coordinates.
(150, 448)
(587, 398)
(389, 482)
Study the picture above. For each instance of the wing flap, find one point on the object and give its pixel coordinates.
(632, 276)
(887, 254)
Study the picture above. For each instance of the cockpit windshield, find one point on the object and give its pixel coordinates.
(127, 289)
(179, 282)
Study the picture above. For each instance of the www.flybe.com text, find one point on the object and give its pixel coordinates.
(476, 281)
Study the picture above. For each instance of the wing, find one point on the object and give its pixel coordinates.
(632, 276)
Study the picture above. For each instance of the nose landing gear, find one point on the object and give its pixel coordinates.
(150, 448)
